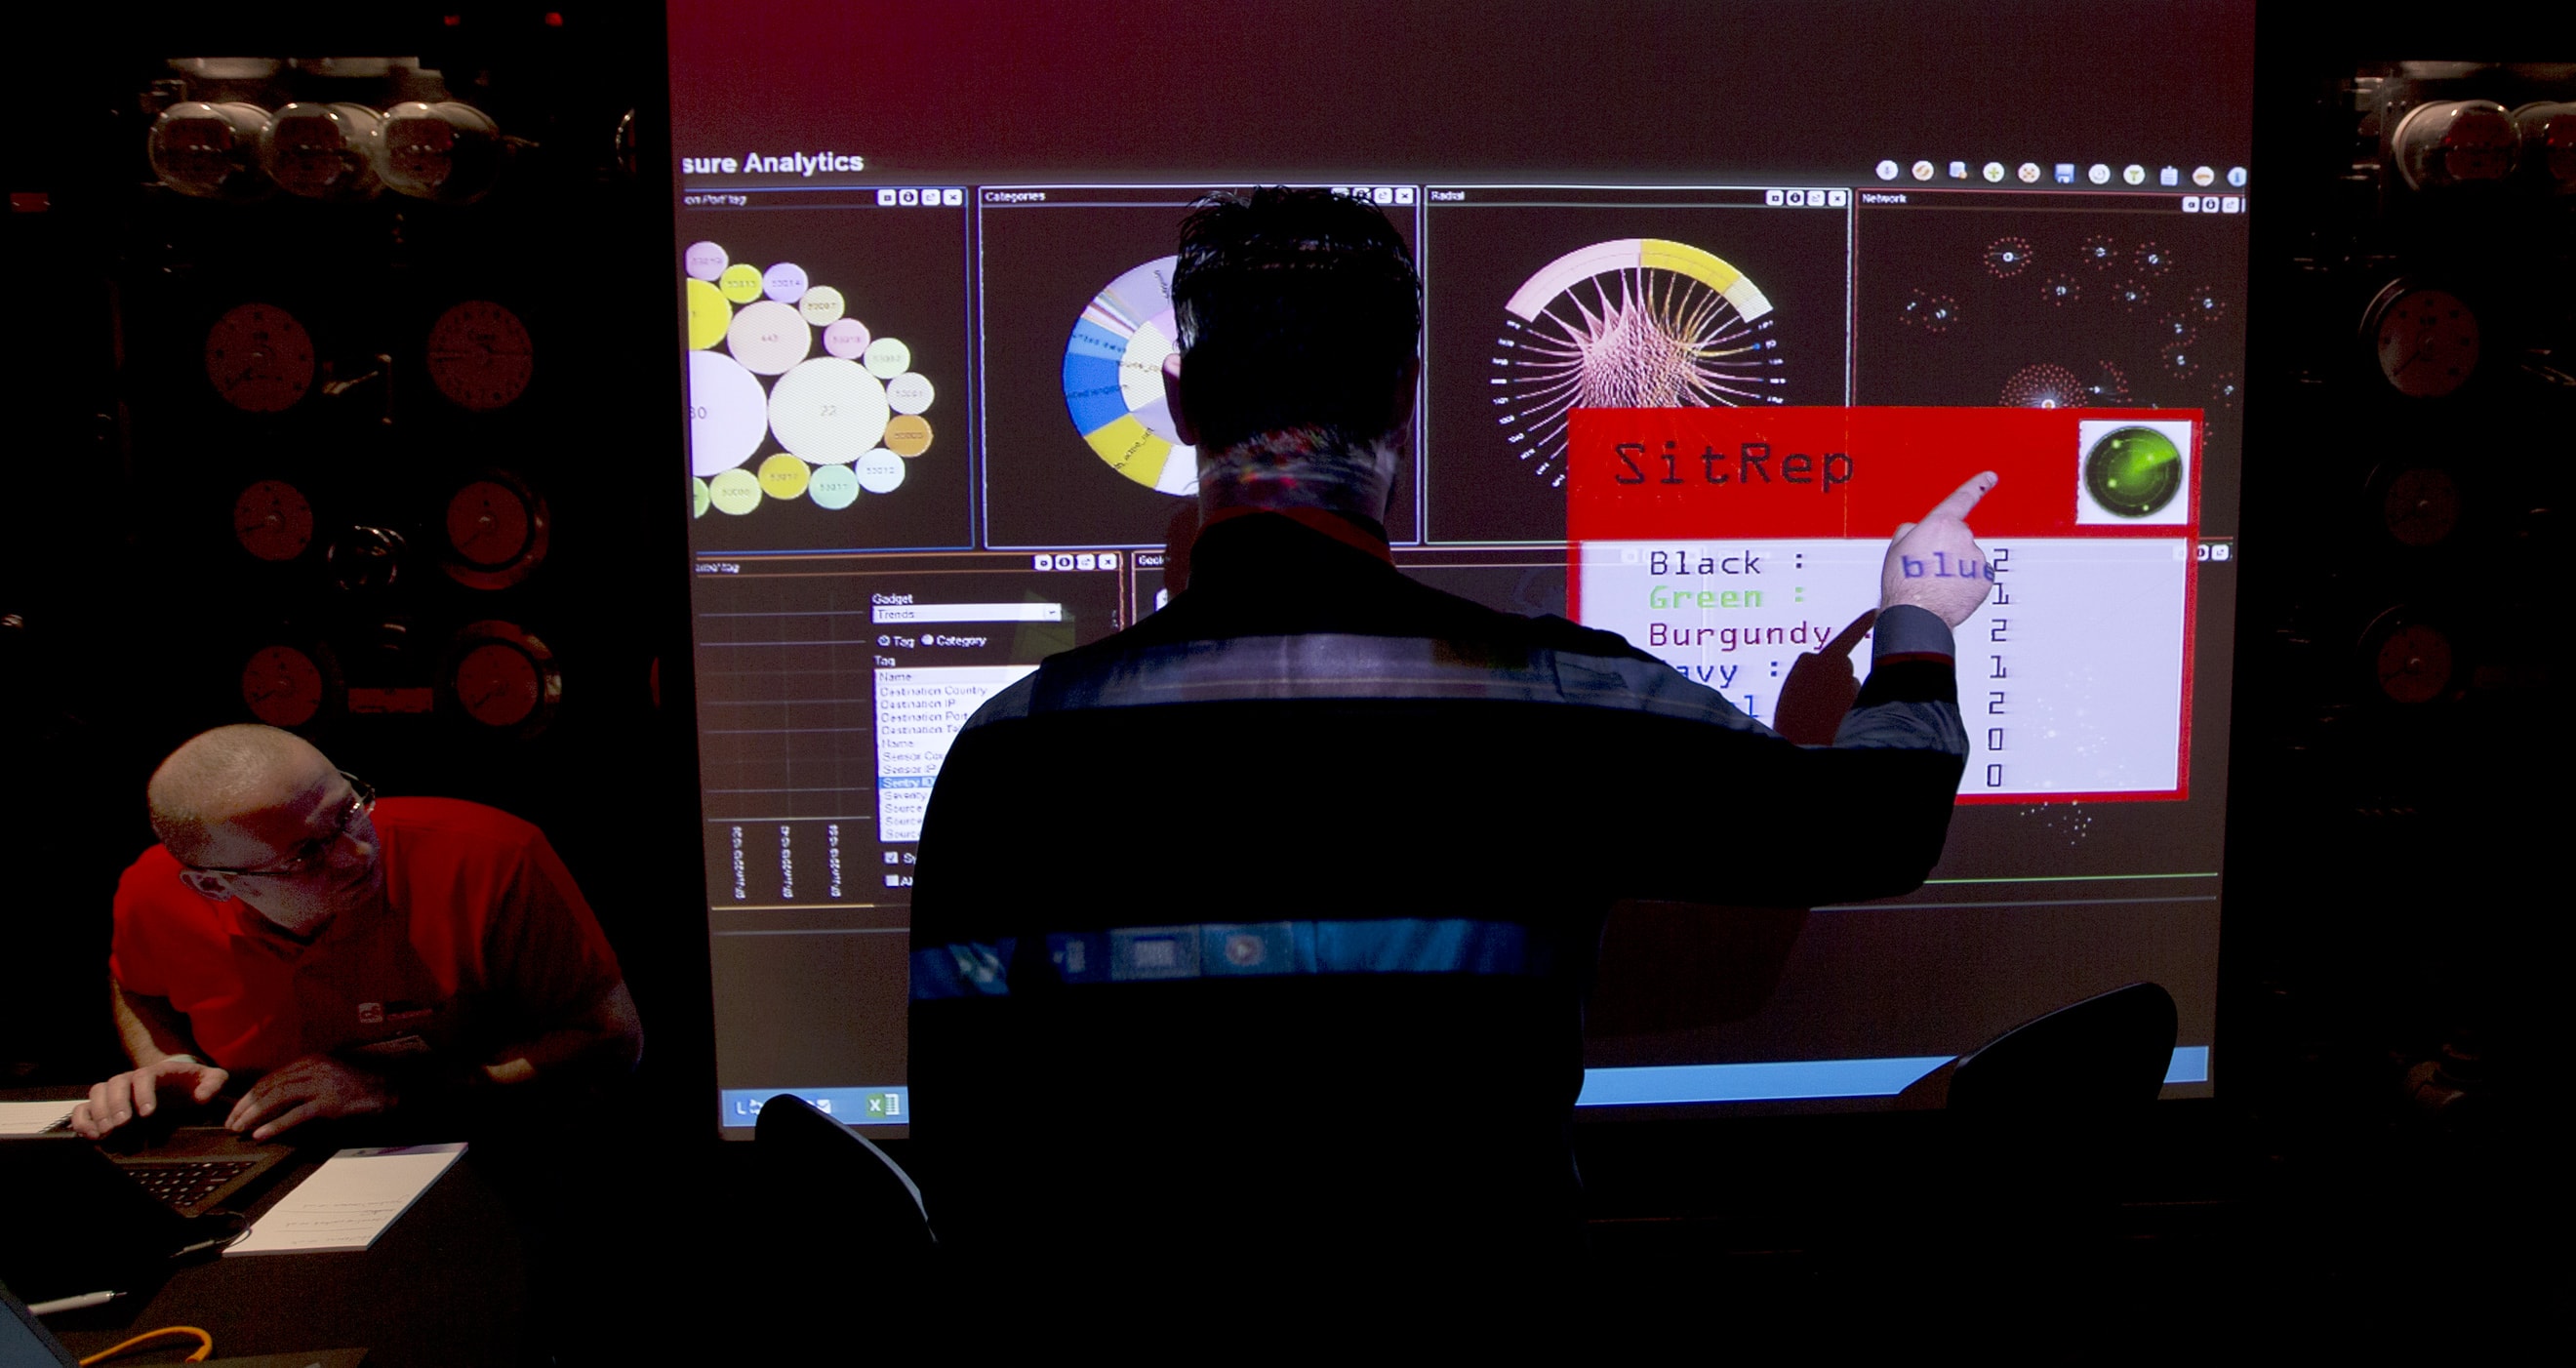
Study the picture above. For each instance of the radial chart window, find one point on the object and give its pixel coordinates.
(1551, 300)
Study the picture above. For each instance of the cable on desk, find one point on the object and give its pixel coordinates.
(205, 1344)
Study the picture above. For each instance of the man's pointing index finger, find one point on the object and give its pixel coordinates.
(1964, 499)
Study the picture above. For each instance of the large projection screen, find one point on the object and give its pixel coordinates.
(917, 270)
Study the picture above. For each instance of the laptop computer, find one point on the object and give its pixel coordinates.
(83, 1220)
(201, 1169)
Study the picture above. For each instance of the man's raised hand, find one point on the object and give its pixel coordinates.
(138, 1093)
(1936, 564)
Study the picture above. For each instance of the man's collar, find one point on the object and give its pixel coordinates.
(1356, 533)
(1301, 468)
(251, 924)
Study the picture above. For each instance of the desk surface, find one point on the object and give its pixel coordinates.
(446, 1286)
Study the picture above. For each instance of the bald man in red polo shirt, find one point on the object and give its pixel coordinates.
(347, 952)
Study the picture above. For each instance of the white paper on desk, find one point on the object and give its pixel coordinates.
(33, 1118)
(354, 1197)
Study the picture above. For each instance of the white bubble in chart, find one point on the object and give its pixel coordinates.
(880, 471)
(909, 392)
(822, 306)
(888, 358)
(833, 486)
(827, 410)
(705, 260)
(784, 282)
(728, 413)
(769, 337)
(847, 338)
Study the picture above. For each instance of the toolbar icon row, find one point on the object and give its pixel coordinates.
(2062, 173)
(1074, 560)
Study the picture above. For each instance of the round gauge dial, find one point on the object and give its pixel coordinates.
(480, 355)
(2548, 131)
(259, 359)
(2426, 340)
(2454, 142)
(2409, 659)
(322, 151)
(446, 151)
(2421, 506)
(285, 686)
(208, 149)
(1629, 323)
(496, 532)
(487, 523)
(2414, 664)
(273, 520)
(498, 685)
(501, 677)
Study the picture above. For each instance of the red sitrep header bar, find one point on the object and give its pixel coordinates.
(1850, 472)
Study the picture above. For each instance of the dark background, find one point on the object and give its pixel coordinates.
(2370, 1175)
(1322, 93)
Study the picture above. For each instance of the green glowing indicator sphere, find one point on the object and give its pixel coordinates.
(2133, 472)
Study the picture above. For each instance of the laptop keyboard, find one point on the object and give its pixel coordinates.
(184, 1185)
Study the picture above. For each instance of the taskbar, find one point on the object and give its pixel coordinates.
(851, 1106)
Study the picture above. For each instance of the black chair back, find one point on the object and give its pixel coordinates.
(835, 1173)
(2109, 1052)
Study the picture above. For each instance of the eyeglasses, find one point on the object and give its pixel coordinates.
(362, 799)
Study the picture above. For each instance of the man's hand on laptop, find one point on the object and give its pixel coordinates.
(314, 1088)
(140, 1092)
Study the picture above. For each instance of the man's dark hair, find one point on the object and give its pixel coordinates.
(1297, 309)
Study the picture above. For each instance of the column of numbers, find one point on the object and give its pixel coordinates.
(1995, 645)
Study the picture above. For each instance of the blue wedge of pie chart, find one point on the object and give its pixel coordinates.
(1113, 380)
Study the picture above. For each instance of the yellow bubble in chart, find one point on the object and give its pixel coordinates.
(740, 283)
(907, 435)
(822, 306)
(783, 476)
(709, 315)
(698, 499)
(736, 491)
